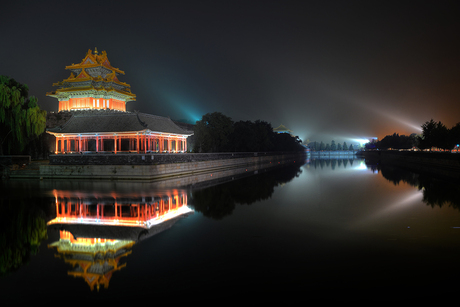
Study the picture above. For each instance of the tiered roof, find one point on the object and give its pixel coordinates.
(93, 75)
(282, 129)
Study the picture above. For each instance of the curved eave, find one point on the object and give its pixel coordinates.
(119, 133)
(119, 82)
(91, 88)
(95, 79)
(83, 66)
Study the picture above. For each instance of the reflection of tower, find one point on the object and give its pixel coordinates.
(97, 231)
(94, 260)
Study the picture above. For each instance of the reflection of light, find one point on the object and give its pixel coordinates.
(98, 209)
(361, 166)
(413, 197)
(123, 222)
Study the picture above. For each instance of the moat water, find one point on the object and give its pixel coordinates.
(334, 230)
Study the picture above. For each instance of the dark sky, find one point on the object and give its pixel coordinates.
(325, 69)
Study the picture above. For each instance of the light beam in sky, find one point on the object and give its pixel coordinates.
(185, 107)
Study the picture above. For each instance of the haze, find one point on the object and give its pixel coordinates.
(325, 69)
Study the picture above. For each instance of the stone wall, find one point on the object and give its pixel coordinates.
(10, 160)
(150, 158)
(182, 166)
(420, 159)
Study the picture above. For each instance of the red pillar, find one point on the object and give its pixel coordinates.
(145, 143)
(115, 143)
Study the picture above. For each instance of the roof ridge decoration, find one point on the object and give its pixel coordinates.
(83, 75)
(94, 60)
(93, 84)
(140, 121)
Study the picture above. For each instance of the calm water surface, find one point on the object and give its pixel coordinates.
(335, 230)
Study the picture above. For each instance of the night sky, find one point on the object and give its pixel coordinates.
(325, 69)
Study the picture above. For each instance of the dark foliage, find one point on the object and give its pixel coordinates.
(219, 201)
(216, 132)
(397, 141)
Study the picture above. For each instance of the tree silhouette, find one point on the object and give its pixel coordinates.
(21, 119)
(212, 133)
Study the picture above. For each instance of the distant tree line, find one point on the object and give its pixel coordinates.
(434, 135)
(397, 141)
(320, 146)
(216, 132)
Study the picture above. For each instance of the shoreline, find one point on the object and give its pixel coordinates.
(446, 165)
(164, 171)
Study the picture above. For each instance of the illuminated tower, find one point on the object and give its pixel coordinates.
(93, 84)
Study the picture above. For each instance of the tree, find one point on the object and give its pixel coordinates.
(317, 146)
(454, 135)
(212, 133)
(251, 136)
(333, 146)
(344, 146)
(286, 142)
(397, 141)
(21, 119)
(265, 136)
(441, 137)
(434, 134)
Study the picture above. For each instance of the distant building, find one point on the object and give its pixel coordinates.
(100, 122)
(282, 129)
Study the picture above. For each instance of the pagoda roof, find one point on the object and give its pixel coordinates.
(94, 60)
(91, 87)
(84, 76)
(93, 73)
(281, 128)
(106, 121)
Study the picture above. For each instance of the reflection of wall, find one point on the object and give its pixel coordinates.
(219, 200)
(440, 163)
(437, 191)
